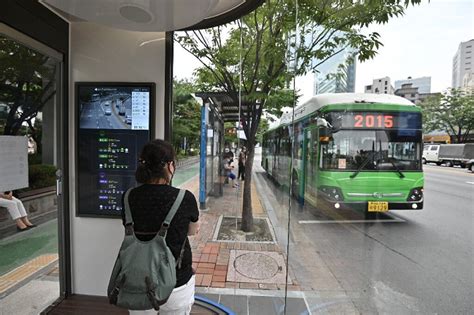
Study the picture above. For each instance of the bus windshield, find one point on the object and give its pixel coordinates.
(375, 150)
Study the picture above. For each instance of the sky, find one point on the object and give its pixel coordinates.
(421, 43)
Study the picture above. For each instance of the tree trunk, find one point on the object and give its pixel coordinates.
(8, 130)
(247, 215)
(459, 135)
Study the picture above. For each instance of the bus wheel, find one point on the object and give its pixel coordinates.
(424, 161)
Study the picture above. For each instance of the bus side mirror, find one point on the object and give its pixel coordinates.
(321, 122)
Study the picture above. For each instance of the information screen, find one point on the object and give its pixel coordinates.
(114, 122)
(375, 120)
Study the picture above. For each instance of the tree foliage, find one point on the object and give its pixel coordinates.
(452, 112)
(27, 84)
(186, 117)
(262, 128)
(261, 53)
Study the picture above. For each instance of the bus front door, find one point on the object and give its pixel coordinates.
(311, 146)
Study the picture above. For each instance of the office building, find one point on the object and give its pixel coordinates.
(462, 65)
(380, 86)
(423, 84)
(412, 93)
(335, 75)
(409, 92)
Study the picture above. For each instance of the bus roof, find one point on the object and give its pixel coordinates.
(319, 101)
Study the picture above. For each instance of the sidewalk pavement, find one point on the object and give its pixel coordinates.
(215, 260)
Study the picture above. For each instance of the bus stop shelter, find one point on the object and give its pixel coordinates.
(217, 108)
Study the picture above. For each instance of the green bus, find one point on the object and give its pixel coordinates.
(349, 150)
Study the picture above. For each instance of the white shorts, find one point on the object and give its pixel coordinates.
(180, 301)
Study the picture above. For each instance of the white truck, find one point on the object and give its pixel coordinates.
(430, 154)
(449, 154)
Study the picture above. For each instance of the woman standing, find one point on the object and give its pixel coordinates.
(149, 205)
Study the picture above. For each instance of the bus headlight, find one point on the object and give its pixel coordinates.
(333, 193)
(416, 194)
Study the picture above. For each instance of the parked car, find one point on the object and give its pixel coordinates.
(128, 119)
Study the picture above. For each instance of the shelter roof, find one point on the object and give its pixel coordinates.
(226, 103)
(153, 15)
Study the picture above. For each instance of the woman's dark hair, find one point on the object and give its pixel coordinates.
(153, 158)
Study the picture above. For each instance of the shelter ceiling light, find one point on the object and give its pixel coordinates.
(138, 15)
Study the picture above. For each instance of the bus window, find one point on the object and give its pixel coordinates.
(371, 149)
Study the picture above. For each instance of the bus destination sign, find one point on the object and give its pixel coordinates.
(375, 120)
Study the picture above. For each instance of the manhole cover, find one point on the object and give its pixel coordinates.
(256, 266)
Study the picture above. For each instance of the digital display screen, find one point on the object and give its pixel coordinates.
(375, 120)
(114, 122)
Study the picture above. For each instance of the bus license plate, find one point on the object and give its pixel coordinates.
(378, 206)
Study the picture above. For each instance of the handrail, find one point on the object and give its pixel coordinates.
(221, 309)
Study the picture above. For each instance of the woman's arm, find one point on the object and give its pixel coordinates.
(193, 228)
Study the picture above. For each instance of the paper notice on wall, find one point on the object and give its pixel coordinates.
(13, 163)
(342, 163)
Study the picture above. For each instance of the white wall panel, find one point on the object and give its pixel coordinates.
(99, 53)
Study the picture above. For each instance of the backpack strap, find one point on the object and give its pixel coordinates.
(128, 214)
(166, 223)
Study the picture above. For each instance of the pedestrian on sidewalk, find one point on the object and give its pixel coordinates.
(150, 204)
(242, 161)
(17, 211)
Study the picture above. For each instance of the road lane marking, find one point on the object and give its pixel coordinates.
(472, 183)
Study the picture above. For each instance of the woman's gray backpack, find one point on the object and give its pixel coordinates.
(144, 274)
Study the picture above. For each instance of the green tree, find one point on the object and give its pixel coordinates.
(186, 117)
(276, 42)
(27, 83)
(262, 128)
(452, 112)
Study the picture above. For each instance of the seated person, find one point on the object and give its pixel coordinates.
(17, 211)
(228, 167)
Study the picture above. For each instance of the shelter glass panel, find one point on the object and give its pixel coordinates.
(29, 153)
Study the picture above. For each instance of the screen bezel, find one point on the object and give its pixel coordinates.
(78, 85)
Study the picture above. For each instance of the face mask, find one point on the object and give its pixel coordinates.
(172, 173)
